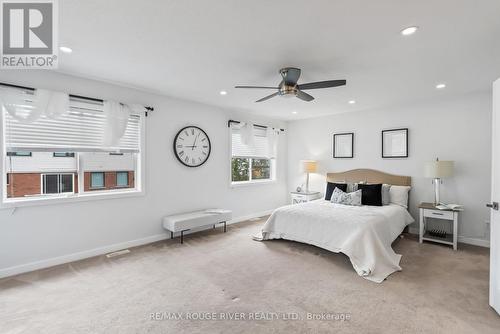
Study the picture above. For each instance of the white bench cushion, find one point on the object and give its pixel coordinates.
(190, 220)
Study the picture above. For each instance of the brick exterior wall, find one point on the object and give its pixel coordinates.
(26, 184)
(29, 184)
(109, 181)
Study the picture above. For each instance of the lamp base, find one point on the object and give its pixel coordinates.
(437, 183)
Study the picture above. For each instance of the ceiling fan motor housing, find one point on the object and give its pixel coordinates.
(288, 86)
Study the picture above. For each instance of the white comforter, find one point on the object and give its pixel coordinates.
(363, 233)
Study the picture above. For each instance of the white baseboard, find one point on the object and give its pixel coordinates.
(24, 268)
(247, 217)
(462, 239)
(474, 241)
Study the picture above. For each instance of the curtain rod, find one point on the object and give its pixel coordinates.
(148, 109)
(256, 125)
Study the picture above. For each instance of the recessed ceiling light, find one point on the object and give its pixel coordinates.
(441, 86)
(352, 102)
(65, 49)
(223, 92)
(294, 112)
(409, 31)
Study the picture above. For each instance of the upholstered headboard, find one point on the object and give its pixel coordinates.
(369, 176)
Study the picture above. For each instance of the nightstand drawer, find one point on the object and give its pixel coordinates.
(304, 197)
(439, 214)
(300, 197)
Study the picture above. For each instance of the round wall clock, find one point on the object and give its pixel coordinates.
(192, 146)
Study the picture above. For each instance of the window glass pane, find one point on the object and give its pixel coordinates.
(50, 184)
(240, 169)
(97, 180)
(66, 183)
(122, 179)
(28, 178)
(261, 169)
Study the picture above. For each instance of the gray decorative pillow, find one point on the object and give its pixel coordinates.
(341, 197)
(386, 199)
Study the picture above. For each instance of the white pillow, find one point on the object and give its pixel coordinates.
(386, 197)
(341, 197)
(399, 195)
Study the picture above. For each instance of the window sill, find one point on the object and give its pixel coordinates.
(251, 183)
(71, 198)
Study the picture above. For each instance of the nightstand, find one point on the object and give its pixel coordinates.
(428, 210)
(304, 197)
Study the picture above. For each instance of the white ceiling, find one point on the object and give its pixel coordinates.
(192, 49)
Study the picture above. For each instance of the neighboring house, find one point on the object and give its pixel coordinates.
(49, 173)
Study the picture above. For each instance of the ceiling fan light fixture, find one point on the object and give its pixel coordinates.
(409, 31)
(223, 92)
(441, 86)
(352, 102)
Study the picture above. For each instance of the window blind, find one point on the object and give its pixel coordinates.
(258, 149)
(80, 129)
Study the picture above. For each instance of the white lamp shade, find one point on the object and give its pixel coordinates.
(309, 166)
(438, 169)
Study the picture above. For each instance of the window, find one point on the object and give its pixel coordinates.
(97, 180)
(19, 154)
(57, 183)
(64, 155)
(252, 159)
(122, 179)
(70, 153)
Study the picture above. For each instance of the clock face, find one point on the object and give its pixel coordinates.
(192, 146)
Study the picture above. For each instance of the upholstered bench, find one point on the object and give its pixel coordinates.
(186, 221)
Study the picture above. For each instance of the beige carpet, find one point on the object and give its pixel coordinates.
(438, 291)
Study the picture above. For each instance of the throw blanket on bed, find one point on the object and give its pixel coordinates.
(363, 233)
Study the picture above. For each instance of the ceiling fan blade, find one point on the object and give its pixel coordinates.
(260, 87)
(304, 96)
(322, 84)
(268, 97)
(290, 75)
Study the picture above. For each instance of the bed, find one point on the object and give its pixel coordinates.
(363, 233)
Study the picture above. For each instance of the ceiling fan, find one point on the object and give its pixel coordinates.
(288, 86)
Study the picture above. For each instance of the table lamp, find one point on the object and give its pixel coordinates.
(309, 166)
(437, 170)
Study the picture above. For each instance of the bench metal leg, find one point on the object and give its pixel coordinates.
(171, 235)
(182, 235)
(224, 227)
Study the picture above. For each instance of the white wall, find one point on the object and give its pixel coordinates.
(40, 162)
(55, 233)
(102, 161)
(457, 129)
